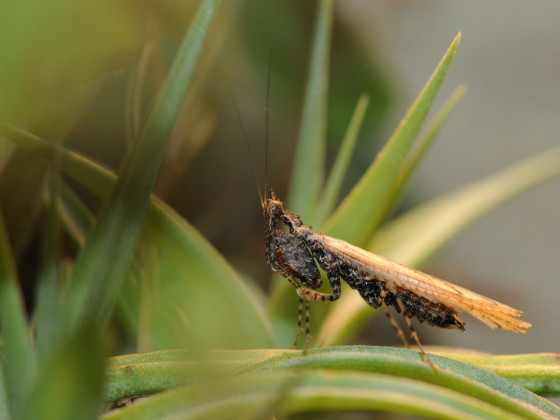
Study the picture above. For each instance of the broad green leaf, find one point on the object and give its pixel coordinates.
(362, 210)
(309, 161)
(20, 359)
(418, 234)
(340, 378)
(146, 373)
(70, 382)
(538, 372)
(193, 264)
(199, 293)
(451, 374)
(311, 391)
(100, 269)
(338, 171)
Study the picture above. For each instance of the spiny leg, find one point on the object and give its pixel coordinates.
(396, 326)
(307, 318)
(300, 310)
(302, 295)
(413, 333)
(312, 295)
(334, 280)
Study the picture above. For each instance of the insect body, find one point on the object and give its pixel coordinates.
(380, 281)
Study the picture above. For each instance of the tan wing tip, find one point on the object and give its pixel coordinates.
(522, 327)
(503, 321)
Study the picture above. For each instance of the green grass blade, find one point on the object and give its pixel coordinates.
(338, 171)
(362, 210)
(538, 372)
(146, 373)
(47, 310)
(20, 358)
(100, 269)
(191, 259)
(339, 378)
(311, 391)
(452, 374)
(78, 220)
(417, 235)
(309, 161)
(424, 143)
(70, 383)
(134, 93)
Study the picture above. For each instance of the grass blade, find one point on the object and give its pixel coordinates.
(100, 269)
(47, 309)
(20, 360)
(309, 161)
(77, 218)
(538, 372)
(339, 378)
(312, 391)
(362, 210)
(338, 171)
(424, 143)
(134, 93)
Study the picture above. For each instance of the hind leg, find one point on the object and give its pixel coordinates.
(395, 325)
(413, 333)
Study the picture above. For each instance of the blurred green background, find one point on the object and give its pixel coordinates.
(66, 67)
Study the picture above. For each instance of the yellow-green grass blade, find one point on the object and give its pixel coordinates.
(362, 210)
(147, 373)
(334, 182)
(338, 378)
(424, 143)
(538, 372)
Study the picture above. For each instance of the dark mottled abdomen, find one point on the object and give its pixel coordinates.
(415, 306)
(422, 309)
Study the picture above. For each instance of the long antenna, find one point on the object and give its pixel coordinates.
(267, 122)
(246, 140)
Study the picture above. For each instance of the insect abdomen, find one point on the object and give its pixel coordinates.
(415, 306)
